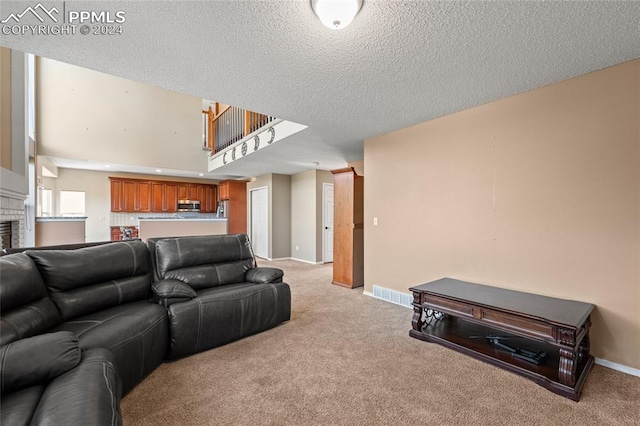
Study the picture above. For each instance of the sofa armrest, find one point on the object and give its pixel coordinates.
(86, 395)
(168, 292)
(37, 359)
(263, 275)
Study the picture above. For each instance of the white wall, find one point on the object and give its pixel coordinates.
(87, 115)
(97, 199)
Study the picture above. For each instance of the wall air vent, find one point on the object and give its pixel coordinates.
(393, 296)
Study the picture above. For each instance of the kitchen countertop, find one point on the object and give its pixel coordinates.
(184, 219)
(60, 218)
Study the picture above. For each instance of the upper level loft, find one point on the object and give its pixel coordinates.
(231, 133)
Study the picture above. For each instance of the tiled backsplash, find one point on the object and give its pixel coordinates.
(131, 219)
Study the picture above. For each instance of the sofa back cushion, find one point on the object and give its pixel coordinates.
(25, 308)
(90, 279)
(204, 261)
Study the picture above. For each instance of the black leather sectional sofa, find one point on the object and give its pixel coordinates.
(114, 312)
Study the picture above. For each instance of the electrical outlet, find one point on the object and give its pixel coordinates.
(375, 221)
(297, 248)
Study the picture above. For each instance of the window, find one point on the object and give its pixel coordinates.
(45, 202)
(72, 203)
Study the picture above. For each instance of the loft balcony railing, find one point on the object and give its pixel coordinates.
(226, 125)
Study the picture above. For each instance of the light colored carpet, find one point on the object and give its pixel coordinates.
(346, 358)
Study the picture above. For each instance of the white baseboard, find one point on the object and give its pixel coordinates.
(306, 261)
(387, 295)
(273, 260)
(618, 367)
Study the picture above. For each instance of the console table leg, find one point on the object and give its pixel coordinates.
(567, 368)
(583, 349)
(416, 321)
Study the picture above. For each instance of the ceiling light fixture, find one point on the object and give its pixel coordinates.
(336, 14)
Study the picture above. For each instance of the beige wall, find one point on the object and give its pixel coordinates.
(5, 108)
(303, 216)
(87, 115)
(281, 216)
(306, 214)
(358, 166)
(539, 192)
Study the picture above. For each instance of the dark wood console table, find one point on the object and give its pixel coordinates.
(459, 315)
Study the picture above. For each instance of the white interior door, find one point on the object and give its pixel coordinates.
(260, 222)
(327, 222)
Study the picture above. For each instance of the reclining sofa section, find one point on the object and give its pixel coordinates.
(214, 292)
(45, 379)
(103, 296)
(114, 313)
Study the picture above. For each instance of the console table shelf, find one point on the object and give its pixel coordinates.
(467, 313)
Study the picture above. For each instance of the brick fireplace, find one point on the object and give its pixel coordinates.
(12, 215)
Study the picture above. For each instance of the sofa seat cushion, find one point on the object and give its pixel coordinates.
(136, 333)
(223, 314)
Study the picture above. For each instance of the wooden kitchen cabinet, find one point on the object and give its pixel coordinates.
(116, 195)
(136, 195)
(201, 196)
(164, 197)
(129, 189)
(188, 191)
(223, 191)
(211, 198)
(348, 228)
(158, 196)
(236, 193)
(144, 197)
(183, 191)
(193, 192)
(171, 197)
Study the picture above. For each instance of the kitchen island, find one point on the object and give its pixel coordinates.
(180, 227)
(52, 231)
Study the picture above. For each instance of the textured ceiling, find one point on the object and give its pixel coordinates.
(399, 63)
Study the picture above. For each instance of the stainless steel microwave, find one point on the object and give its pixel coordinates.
(188, 205)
